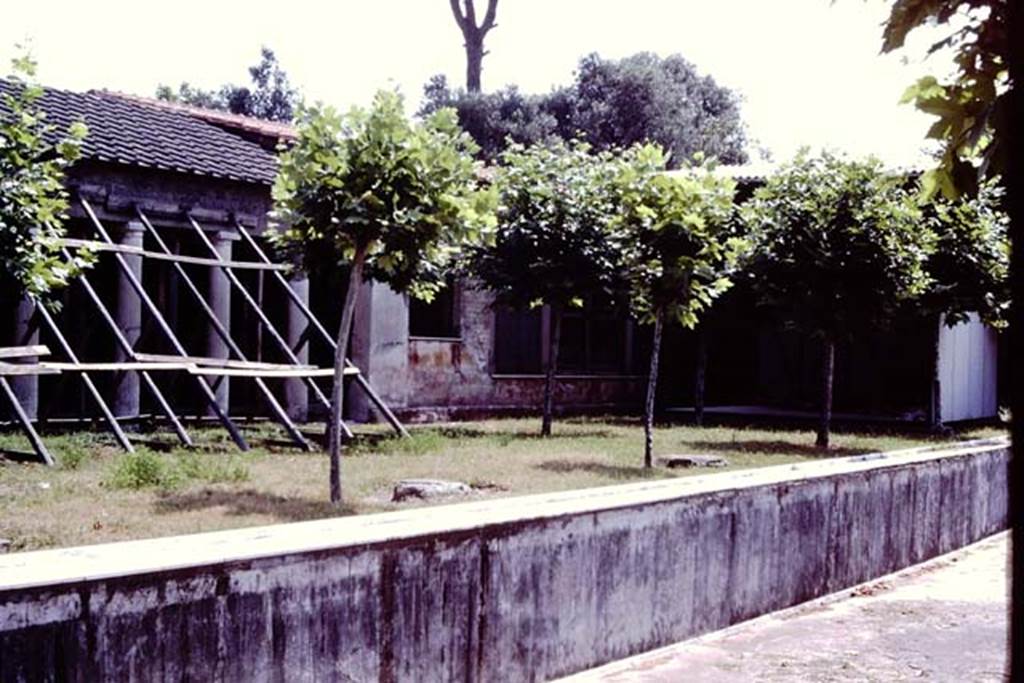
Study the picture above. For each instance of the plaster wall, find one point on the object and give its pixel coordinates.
(521, 589)
(426, 378)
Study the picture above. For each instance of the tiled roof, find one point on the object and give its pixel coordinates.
(274, 130)
(125, 132)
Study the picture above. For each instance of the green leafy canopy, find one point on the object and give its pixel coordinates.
(405, 193)
(553, 244)
(33, 200)
(970, 266)
(677, 235)
(841, 244)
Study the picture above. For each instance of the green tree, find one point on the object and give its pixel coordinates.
(34, 157)
(969, 270)
(679, 244)
(271, 96)
(383, 196)
(553, 244)
(610, 105)
(841, 245)
(645, 98)
(493, 119)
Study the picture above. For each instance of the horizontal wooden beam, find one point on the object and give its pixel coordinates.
(293, 372)
(204, 361)
(93, 245)
(24, 351)
(115, 367)
(9, 369)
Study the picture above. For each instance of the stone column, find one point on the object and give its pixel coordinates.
(128, 316)
(218, 295)
(296, 393)
(380, 348)
(25, 333)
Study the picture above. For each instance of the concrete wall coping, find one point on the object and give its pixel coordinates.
(52, 568)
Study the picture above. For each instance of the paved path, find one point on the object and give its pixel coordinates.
(944, 620)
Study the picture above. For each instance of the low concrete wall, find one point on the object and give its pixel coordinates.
(511, 590)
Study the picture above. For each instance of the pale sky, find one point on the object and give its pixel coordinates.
(809, 71)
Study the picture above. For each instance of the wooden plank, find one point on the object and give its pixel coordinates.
(204, 361)
(93, 245)
(293, 372)
(115, 367)
(10, 369)
(24, 351)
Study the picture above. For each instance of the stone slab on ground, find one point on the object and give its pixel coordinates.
(429, 488)
(944, 620)
(682, 461)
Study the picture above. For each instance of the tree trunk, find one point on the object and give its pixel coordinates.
(652, 387)
(473, 34)
(935, 405)
(355, 279)
(699, 374)
(828, 363)
(554, 341)
(474, 62)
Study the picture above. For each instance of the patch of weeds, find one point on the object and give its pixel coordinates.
(211, 469)
(145, 469)
(419, 442)
(73, 455)
(140, 470)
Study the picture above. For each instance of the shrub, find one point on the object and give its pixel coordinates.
(139, 470)
(73, 455)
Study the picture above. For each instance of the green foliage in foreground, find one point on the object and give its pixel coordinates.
(972, 105)
(33, 201)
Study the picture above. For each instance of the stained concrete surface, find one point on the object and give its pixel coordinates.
(944, 620)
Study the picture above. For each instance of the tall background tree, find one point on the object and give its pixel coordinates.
(493, 119)
(678, 244)
(34, 157)
(841, 246)
(553, 246)
(270, 96)
(473, 35)
(372, 192)
(610, 104)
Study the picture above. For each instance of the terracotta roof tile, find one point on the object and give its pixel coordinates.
(134, 134)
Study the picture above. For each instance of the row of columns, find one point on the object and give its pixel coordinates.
(127, 311)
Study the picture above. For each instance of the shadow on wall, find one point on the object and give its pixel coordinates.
(250, 502)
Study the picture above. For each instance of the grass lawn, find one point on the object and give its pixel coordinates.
(99, 494)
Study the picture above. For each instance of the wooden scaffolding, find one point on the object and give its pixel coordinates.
(198, 370)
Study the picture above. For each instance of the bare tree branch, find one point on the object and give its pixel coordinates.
(459, 19)
(492, 10)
